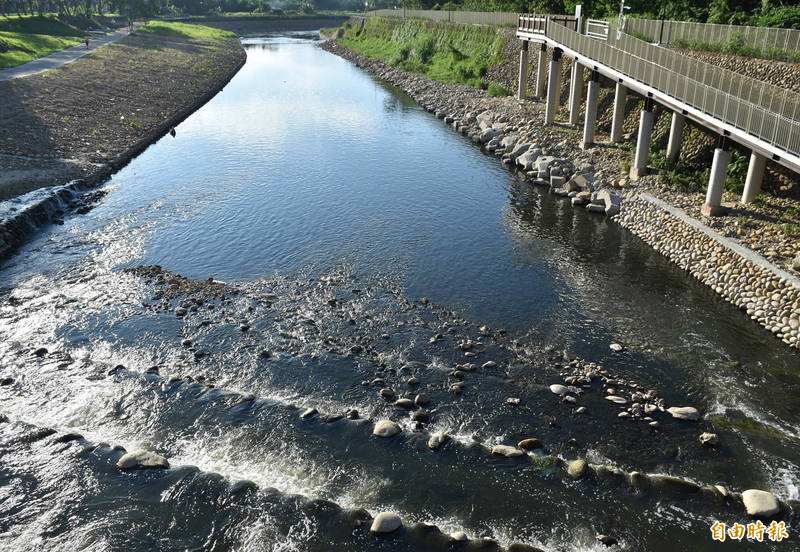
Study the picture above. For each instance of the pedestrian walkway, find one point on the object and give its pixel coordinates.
(757, 115)
(68, 55)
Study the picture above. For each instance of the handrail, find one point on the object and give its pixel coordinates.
(759, 121)
(774, 98)
(597, 29)
(762, 37)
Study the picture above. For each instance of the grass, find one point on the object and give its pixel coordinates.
(689, 178)
(737, 47)
(26, 38)
(497, 90)
(19, 48)
(790, 229)
(186, 30)
(446, 52)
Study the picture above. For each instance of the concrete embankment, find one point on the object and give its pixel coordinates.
(74, 126)
(590, 179)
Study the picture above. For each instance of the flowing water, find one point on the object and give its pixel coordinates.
(345, 228)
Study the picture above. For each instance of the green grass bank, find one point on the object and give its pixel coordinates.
(25, 38)
(187, 30)
(28, 37)
(446, 52)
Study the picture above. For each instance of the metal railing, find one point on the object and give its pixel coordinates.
(774, 98)
(537, 23)
(597, 28)
(762, 122)
(453, 16)
(531, 23)
(765, 38)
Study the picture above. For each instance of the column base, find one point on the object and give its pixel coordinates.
(637, 173)
(586, 145)
(718, 211)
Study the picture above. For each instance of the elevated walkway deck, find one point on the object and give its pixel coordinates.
(760, 116)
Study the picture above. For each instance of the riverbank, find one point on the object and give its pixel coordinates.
(257, 26)
(85, 120)
(552, 156)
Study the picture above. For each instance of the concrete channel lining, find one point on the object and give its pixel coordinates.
(747, 254)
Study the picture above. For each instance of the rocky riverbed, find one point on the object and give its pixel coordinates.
(591, 179)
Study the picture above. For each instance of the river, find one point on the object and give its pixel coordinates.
(358, 238)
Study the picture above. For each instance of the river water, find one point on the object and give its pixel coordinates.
(350, 228)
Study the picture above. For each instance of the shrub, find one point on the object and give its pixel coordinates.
(424, 49)
(496, 89)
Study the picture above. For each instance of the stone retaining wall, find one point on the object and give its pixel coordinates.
(768, 298)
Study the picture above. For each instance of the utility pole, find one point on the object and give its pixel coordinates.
(621, 18)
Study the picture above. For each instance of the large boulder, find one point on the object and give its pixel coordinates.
(543, 164)
(684, 412)
(761, 504)
(609, 200)
(518, 150)
(507, 451)
(577, 468)
(485, 120)
(583, 181)
(487, 135)
(528, 159)
(386, 522)
(142, 460)
(437, 440)
(508, 142)
(386, 428)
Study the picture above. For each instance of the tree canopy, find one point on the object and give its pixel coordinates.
(773, 13)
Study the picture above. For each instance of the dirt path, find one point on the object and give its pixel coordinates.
(88, 118)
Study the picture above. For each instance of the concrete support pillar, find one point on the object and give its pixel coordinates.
(755, 175)
(639, 168)
(675, 133)
(716, 181)
(522, 89)
(591, 110)
(552, 88)
(620, 98)
(541, 71)
(575, 92)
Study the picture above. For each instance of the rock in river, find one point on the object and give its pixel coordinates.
(577, 468)
(142, 459)
(616, 399)
(386, 428)
(709, 439)
(386, 522)
(530, 444)
(517, 547)
(404, 403)
(308, 412)
(558, 389)
(437, 440)
(684, 412)
(761, 504)
(507, 451)
(421, 416)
